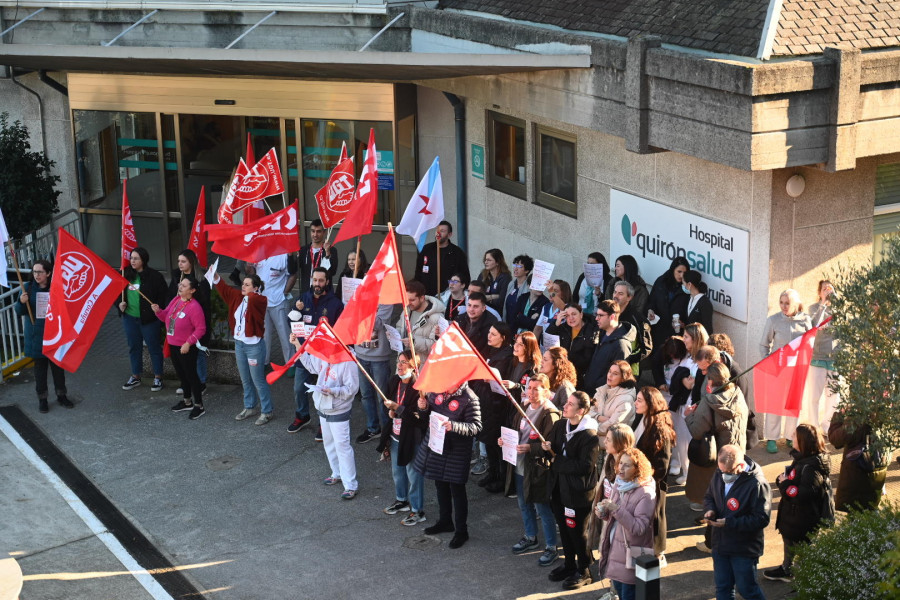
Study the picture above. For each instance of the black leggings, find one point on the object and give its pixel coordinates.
(452, 498)
(186, 369)
(574, 542)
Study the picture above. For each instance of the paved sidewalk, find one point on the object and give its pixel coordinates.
(242, 508)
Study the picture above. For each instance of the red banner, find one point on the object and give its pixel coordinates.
(324, 343)
(451, 362)
(780, 378)
(383, 284)
(275, 234)
(197, 241)
(365, 200)
(334, 199)
(81, 291)
(252, 184)
(129, 239)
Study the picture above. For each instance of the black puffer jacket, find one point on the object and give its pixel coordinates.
(573, 472)
(746, 509)
(493, 406)
(463, 410)
(805, 500)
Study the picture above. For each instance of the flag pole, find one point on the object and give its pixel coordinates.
(500, 383)
(437, 243)
(358, 364)
(412, 343)
(12, 252)
(356, 263)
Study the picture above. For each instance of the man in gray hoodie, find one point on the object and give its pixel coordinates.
(374, 356)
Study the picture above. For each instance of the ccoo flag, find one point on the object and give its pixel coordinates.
(426, 208)
(197, 241)
(452, 361)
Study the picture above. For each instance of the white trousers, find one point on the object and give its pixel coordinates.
(819, 402)
(682, 440)
(336, 439)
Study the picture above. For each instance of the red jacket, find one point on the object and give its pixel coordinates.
(256, 309)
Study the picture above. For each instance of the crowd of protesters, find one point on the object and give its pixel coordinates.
(624, 385)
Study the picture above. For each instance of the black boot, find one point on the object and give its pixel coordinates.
(42, 405)
(64, 401)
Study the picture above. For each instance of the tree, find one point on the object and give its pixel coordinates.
(27, 185)
(866, 309)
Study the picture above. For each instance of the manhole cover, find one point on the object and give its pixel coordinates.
(421, 542)
(222, 463)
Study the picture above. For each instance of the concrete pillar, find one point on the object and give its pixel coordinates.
(844, 110)
(637, 93)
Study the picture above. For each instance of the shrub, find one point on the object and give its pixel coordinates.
(849, 560)
(27, 186)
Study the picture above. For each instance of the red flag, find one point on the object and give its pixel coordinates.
(251, 185)
(361, 211)
(779, 379)
(129, 239)
(226, 209)
(279, 370)
(81, 291)
(324, 343)
(251, 158)
(383, 284)
(276, 234)
(336, 195)
(197, 241)
(452, 361)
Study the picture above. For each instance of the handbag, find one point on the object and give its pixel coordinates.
(702, 452)
(632, 552)
(867, 457)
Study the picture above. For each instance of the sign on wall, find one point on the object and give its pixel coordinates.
(655, 234)
(477, 161)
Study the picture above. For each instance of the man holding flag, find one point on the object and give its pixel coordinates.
(453, 260)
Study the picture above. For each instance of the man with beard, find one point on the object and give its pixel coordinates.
(453, 260)
(425, 313)
(477, 321)
(318, 302)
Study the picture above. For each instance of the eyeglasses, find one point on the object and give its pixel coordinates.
(518, 265)
(452, 281)
(403, 363)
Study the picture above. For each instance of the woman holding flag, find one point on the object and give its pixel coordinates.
(185, 324)
(247, 321)
(34, 335)
(146, 286)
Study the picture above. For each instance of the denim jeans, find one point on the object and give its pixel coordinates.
(625, 591)
(301, 392)
(376, 414)
(740, 571)
(137, 334)
(530, 512)
(253, 377)
(409, 484)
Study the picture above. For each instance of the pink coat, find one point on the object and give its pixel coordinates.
(635, 520)
(189, 328)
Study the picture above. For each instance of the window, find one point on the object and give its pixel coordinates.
(887, 206)
(507, 154)
(555, 166)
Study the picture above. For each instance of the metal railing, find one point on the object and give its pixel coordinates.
(12, 332)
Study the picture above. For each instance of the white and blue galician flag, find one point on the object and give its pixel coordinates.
(426, 208)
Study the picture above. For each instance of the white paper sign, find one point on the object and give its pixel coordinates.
(593, 274)
(496, 387)
(540, 275)
(41, 300)
(436, 432)
(550, 340)
(298, 329)
(211, 273)
(510, 439)
(394, 338)
(348, 288)
(655, 234)
(443, 325)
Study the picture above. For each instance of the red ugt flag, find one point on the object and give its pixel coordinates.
(361, 211)
(276, 234)
(383, 284)
(81, 291)
(197, 241)
(779, 379)
(336, 195)
(452, 361)
(129, 239)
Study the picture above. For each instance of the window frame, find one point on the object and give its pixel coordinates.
(507, 186)
(545, 199)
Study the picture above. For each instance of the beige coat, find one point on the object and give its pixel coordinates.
(617, 404)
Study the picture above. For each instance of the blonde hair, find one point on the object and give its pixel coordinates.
(794, 296)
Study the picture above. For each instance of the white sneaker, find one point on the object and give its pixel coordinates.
(245, 414)
(179, 392)
(265, 418)
(702, 547)
(681, 480)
